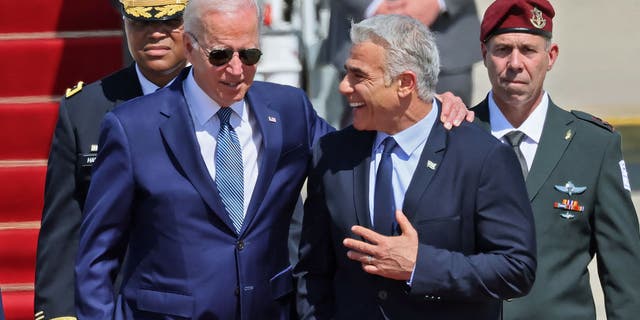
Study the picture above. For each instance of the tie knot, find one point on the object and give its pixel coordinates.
(389, 143)
(224, 114)
(515, 137)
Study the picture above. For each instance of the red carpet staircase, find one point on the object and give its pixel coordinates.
(46, 46)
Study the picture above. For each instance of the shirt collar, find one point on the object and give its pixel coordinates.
(146, 85)
(413, 137)
(531, 126)
(202, 106)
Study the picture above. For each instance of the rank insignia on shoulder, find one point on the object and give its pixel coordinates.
(593, 119)
(570, 189)
(71, 91)
(568, 205)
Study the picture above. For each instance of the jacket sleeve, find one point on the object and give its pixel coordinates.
(503, 263)
(617, 237)
(58, 237)
(105, 223)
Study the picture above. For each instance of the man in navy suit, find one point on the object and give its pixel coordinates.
(155, 189)
(462, 238)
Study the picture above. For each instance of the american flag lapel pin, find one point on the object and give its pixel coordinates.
(272, 119)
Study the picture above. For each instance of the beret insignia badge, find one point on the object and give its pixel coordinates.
(536, 18)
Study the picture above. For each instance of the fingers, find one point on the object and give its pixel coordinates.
(368, 234)
(360, 257)
(359, 246)
(470, 116)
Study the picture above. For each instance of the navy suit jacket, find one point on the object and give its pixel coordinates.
(151, 191)
(468, 203)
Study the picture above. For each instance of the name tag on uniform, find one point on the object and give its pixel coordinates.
(87, 160)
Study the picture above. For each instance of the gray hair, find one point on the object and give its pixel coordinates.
(196, 9)
(409, 46)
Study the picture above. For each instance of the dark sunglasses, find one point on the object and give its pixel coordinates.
(220, 57)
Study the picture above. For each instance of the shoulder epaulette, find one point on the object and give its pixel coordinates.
(593, 119)
(71, 91)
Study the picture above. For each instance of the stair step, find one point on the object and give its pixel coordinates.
(18, 305)
(57, 15)
(18, 255)
(21, 193)
(34, 67)
(26, 129)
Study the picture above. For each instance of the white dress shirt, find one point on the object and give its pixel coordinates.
(203, 111)
(531, 127)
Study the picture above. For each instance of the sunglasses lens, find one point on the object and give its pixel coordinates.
(247, 56)
(220, 57)
(250, 56)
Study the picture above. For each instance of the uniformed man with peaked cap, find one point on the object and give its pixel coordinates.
(575, 175)
(154, 36)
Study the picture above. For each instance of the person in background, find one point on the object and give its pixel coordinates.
(455, 25)
(404, 219)
(153, 32)
(575, 174)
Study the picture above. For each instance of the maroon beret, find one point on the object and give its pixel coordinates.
(527, 16)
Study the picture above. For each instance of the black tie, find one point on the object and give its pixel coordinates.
(384, 206)
(515, 138)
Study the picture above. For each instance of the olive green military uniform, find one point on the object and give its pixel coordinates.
(579, 160)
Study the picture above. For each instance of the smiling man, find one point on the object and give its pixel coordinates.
(404, 219)
(575, 175)
(153, 31)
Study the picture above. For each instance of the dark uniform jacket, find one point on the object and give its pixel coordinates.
(74, 148)
(577, 150)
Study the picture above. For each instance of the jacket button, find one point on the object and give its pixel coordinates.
(240, 245)
(382, 295)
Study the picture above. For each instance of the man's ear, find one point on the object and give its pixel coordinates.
(406, 83)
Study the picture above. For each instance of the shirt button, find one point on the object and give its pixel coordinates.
(382, 295)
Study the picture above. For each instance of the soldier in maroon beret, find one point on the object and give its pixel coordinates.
(575, 175)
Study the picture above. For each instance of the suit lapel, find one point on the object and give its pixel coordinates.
(178, 133)
(429, 162)
(363, 145)
(557, 133)
(270, 126)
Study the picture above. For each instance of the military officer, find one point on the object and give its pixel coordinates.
(575, 175)
(154, 37)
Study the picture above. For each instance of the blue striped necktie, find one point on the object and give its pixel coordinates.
(229, 170)
(384, 206)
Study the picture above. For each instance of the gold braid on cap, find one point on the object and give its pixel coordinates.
(142, 8)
